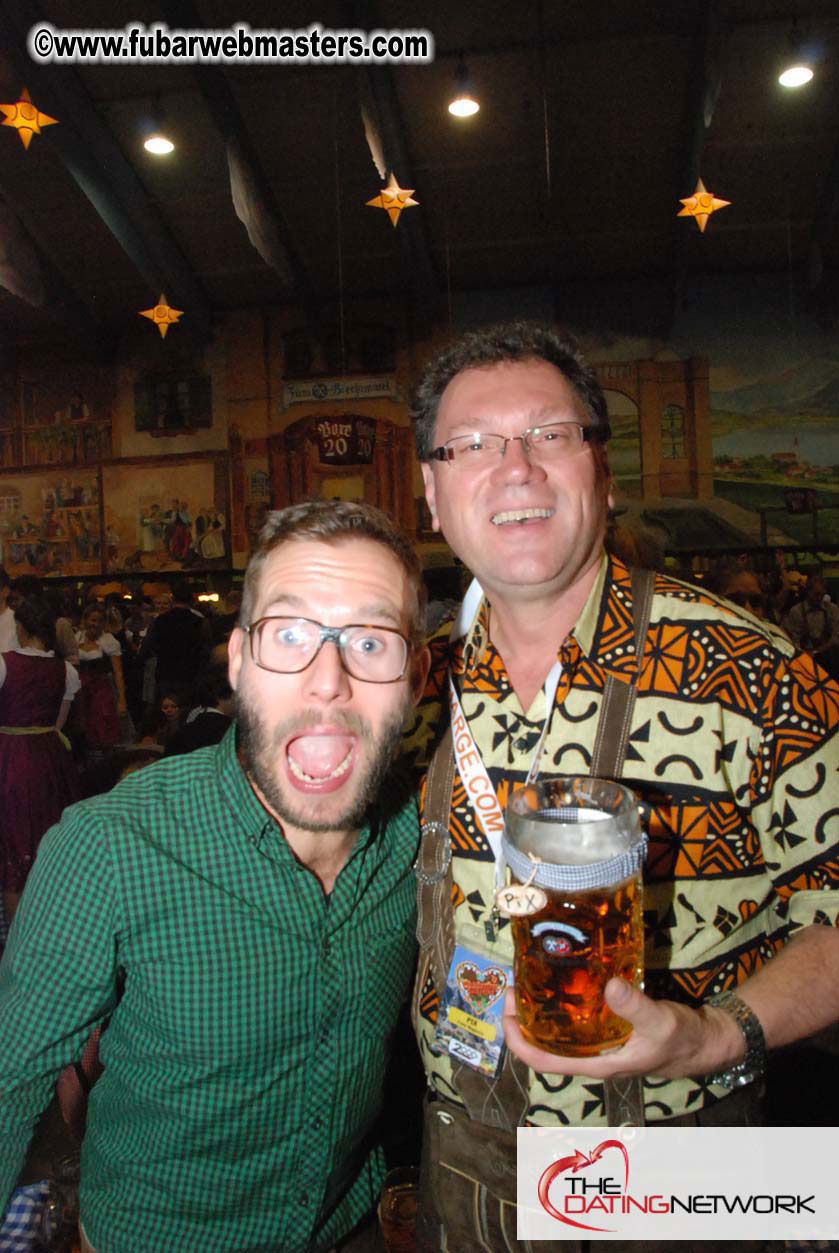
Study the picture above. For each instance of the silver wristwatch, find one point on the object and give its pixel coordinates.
(753, 1065)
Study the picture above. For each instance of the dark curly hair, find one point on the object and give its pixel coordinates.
(494, 345)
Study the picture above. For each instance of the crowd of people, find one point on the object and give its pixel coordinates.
(244, 918)
(88, 693)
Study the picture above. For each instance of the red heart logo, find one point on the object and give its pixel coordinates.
(578, 1161)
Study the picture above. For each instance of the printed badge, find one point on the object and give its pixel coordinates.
(469, 1022)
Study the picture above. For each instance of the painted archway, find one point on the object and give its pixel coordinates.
(672, 401)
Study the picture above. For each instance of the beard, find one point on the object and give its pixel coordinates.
(260, 747)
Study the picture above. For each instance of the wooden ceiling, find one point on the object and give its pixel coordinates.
(595, 119)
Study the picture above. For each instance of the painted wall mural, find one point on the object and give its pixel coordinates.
(171, 515)
(769, 474)
(774, 404)
(49, 524)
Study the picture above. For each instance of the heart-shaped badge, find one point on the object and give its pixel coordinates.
(480, 988)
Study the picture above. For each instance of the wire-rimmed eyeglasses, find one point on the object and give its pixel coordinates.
(551, 442)
(374, 654)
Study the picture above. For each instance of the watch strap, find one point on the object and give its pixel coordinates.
(753, 1064)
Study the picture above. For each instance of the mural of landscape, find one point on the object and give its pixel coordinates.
(778, 433)
(774, 420)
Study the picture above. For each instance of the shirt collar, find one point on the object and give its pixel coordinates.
(603, 633)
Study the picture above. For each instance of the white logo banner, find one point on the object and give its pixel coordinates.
(677, 1183)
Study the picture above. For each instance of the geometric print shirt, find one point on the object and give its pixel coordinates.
(250, 1012)
(733, 754)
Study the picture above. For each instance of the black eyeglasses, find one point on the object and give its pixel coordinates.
(374, 654)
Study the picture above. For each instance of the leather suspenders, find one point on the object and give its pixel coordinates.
(503, 1102)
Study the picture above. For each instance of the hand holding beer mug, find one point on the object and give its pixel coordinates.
(575, 850)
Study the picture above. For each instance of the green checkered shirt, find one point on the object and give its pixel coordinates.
(245, 1059)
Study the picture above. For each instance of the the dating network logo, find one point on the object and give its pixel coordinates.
(583, 1199)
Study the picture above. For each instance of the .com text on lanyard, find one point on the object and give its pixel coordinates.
(470, 765)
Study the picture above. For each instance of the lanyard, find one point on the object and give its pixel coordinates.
(479, 790)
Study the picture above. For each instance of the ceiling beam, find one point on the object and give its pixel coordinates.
(703, 88)
(61, 302)
(221, 103)
(95, 160)
(379, 92)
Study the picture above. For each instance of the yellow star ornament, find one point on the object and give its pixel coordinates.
(393, 199)
(25, 117)
(163, 315)
(701, 205)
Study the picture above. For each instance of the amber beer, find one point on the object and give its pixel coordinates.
(576, 847)
(565, 956)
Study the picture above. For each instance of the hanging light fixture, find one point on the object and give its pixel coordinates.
(797, 68)
(159, 145)
(157, 140)
(463, 103)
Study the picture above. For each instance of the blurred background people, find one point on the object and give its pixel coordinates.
(162, 723)
(37, 774)
(61, 603)
(813, 624)
(8, 632)
(135, 629)
(102, 698)
(179, 639)
(207, 722)
(742, 588)
(221, 624)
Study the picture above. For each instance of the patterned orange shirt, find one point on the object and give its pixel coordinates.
(733, 753)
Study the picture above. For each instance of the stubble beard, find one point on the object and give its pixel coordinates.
(260, 748)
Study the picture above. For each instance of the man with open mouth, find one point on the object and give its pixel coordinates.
(244, 915)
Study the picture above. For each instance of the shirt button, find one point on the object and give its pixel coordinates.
(317, 1123)
(324, 1035)
(303, 1198)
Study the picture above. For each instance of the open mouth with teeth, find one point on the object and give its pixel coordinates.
(520, 515)
(320, 762)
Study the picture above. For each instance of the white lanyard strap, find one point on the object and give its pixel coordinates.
(479, 790)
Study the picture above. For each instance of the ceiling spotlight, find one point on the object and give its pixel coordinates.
(159, 144)
(156, 137)
(797, 68)
(795, 75)
(464, 103)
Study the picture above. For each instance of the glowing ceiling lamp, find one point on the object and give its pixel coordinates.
(159, 145)
(463, 103)
(797, 68)
(795, 75)
(158, 140)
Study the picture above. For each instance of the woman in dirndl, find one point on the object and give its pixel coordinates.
(37, 773)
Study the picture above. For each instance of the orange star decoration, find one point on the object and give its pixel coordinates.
(25, 117)
(701, 205)
(393, 199)
(163, 315)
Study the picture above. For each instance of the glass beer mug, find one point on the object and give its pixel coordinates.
(576, 847)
